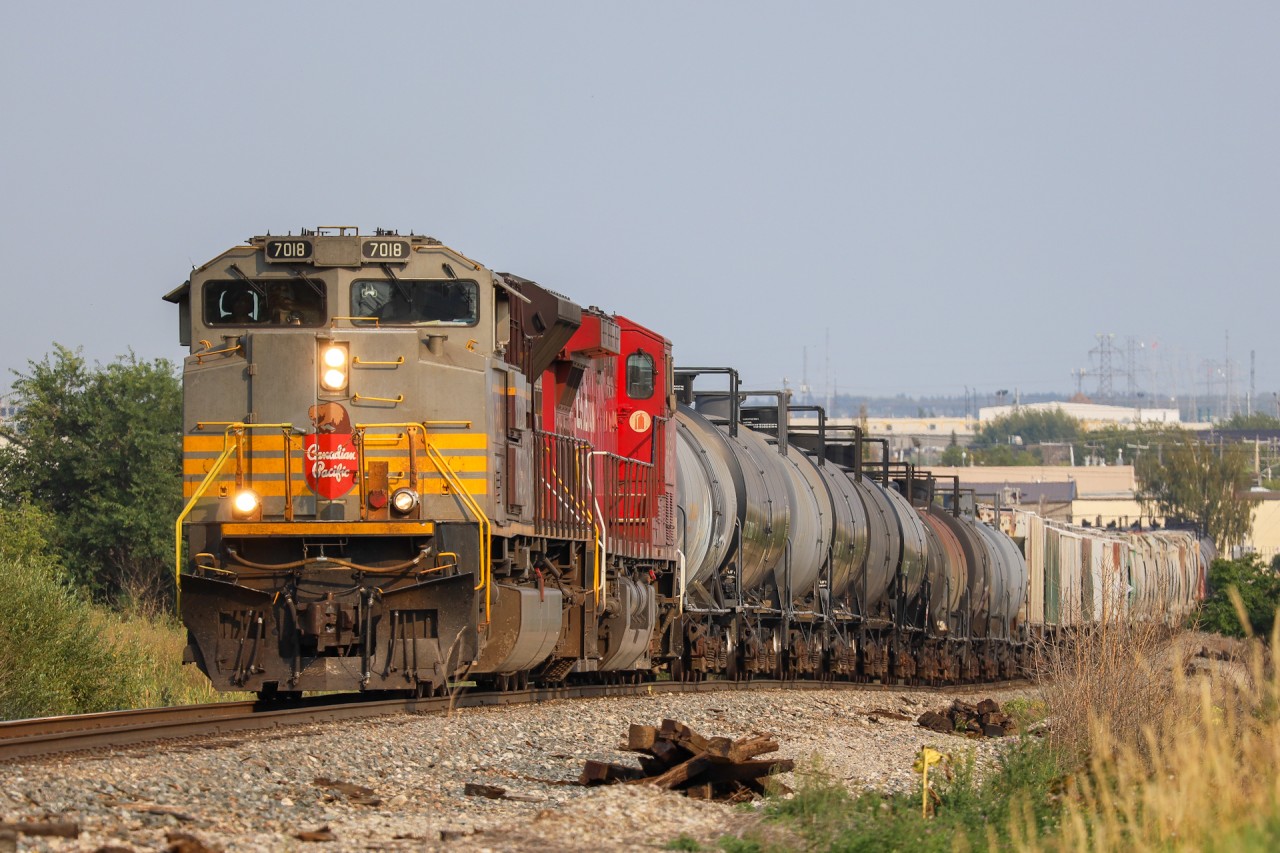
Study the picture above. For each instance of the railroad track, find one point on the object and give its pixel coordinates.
(79, 732)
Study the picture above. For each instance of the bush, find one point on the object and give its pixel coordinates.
(61, 654)
(1208, 778)
(1259, 589)
(1102, 683)
(54, 658)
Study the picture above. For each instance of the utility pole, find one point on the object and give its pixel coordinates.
(1253, 364)
(826, 368)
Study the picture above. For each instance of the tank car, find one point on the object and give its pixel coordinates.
(800, 563)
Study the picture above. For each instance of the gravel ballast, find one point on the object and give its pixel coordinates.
(398, 783)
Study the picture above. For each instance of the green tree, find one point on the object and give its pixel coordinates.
(1033, 426)
(1112, 443)
(1257, 420)
(1193, 482)
(1259, 589)
(100, 450)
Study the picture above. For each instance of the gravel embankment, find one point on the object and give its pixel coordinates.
(397, 784)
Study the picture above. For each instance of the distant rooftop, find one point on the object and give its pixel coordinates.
(1091, 414)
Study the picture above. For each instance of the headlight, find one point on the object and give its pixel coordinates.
(245, 503)
(333, 380)
(404, 501)
(333, 367)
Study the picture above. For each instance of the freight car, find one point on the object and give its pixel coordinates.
(1081, 576)
(403, 469)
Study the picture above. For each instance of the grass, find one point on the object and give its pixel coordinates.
(1110, 676)
(971, 813)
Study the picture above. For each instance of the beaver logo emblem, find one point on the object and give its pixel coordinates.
(330, 452)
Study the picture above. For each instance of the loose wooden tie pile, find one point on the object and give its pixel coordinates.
(675, 757)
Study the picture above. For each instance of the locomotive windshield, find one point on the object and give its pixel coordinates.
(247, 303)
(407, 302)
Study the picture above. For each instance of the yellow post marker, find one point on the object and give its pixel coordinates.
(928, 756)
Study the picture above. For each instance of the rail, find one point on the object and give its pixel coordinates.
(61, 735)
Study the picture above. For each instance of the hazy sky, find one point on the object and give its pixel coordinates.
(955, 194)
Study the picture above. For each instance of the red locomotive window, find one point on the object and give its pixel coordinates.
(405, 302)
(639, 375)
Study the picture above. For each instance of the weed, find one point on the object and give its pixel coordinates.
(1026, 711)
(684, 841)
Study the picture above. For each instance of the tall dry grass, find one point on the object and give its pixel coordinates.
(1176, 759)
(1104, 683)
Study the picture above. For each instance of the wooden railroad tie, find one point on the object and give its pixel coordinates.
(675, 757)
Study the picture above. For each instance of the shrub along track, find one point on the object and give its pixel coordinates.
(57, 735)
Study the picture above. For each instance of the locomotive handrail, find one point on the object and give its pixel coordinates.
(200, 425)
(455, 482)
(470, 502)
(358, 363)
(228, 447)
(602, 537)
(397, 399)
(377, 323)
(182, 516)
(208, 352)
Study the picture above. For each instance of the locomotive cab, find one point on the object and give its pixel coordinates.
(344, 397)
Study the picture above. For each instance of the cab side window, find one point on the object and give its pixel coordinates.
(639, 375)
(233, 304)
